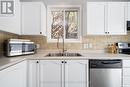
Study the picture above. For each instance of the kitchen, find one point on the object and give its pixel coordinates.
(72, 43)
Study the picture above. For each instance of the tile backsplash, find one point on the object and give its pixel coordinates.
(97, 42)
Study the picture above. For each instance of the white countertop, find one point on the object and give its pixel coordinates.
(9, 61)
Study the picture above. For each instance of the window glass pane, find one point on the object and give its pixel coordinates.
(71, 26)
(57, 26)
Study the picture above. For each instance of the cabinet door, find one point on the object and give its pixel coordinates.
(51, 73)
(76, 73)
(33, 71)
(14, 76)
(126, 73)
(32, 18)
(96, 18)
(128, 9)
(116, 18)
(11, 23)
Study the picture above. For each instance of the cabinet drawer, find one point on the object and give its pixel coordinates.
(126, 71)
(126, 63)
(126, 80)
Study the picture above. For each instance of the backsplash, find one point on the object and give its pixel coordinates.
(97, 42)
(4, 36)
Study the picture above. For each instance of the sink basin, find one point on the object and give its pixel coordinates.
(63, 55)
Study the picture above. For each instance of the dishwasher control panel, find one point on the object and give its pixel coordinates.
(99, 63)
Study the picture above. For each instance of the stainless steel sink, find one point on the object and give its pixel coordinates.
(63, 55)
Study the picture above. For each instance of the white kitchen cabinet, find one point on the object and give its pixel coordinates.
(33, 18)
(116, 18)
(33, 71)
(106, 18)
(128, 9)
(60, 73)
(126, 63)
(126, 73)
(12, 23)
(76, 73)
(51, 73)
(95, 18)
(14, 76)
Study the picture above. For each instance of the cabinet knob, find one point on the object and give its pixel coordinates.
(107, 32)
(62, 61)
(40, 32)
(65, 62)
(37, 62)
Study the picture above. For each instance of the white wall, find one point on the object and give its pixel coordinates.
(12, 23)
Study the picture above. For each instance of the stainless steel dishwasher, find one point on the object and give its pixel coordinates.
(105, 73)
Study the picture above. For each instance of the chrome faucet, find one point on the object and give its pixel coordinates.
(63, 45)
(63, 42)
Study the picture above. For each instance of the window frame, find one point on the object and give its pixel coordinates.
(65, 8)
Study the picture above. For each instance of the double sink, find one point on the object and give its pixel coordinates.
(63, 55)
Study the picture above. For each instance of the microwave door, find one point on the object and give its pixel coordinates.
(28, 47)
(15, 49)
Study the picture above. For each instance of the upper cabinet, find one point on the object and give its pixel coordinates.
(116, 17)
(106, 18)
(33, 18)
(129, 11)
(95, 17)
(11, 22)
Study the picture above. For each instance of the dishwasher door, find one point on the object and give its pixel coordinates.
(105, 77)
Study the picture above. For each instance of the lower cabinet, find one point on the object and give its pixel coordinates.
(14, 76)
(32, 73)
(126, 73)
(51, 73)
(75, 73)
(58, 73)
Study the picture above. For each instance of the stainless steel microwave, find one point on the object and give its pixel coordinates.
(15, 47)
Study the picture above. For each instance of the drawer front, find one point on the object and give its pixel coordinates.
(126, 63)
(126, 80)
(126, 72)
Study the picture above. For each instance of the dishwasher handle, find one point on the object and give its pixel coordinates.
(110, 62)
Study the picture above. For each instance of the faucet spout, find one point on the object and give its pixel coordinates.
(63, 45)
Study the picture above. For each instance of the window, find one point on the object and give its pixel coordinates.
(64, 23)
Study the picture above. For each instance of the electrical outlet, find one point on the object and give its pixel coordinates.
(90, 45)
(38, 46)
(85, 46)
